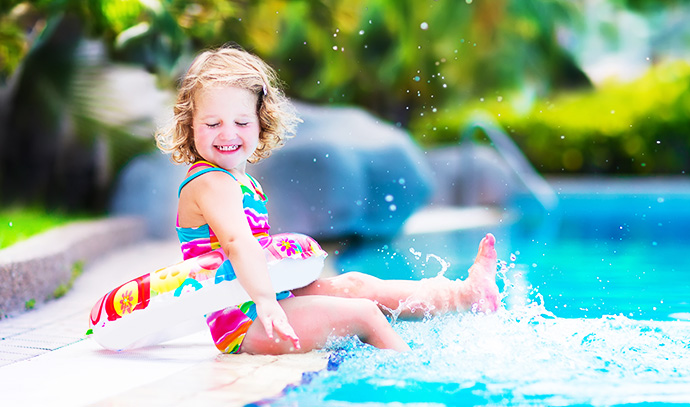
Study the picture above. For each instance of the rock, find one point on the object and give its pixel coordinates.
(471, 175)
(147, 187)
(345, 173)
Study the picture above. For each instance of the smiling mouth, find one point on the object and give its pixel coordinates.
(228, 148)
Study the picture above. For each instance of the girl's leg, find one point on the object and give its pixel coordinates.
(316, 317)
(437, 295)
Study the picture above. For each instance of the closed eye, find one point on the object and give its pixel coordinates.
(241, 124)
(212, 125)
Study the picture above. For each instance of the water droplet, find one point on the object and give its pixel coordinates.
(401, 181)
(335, 48)
(389, 198)
(392, 208)
(424, 26)
(513, 257)
(361, 32)
(416, 78)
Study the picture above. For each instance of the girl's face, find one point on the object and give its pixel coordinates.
(226, 126)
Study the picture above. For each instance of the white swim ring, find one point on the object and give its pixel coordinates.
(172, 302)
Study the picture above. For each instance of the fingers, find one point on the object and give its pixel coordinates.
(268, 327)
(286, 333)
(277, 322)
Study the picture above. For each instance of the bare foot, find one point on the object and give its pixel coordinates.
(481, 292)
(478, 292)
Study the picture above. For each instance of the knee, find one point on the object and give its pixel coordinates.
(354, 284)
(367, 312)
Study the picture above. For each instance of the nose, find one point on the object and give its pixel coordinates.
(225, 133)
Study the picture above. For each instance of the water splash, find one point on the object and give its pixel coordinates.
(521, 355)
(525, 356)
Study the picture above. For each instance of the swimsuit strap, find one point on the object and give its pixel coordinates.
(257, 188)
(202, 172)
(200, 163)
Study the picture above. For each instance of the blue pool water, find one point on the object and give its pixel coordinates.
(596, 311)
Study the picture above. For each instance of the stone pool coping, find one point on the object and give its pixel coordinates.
(33, 270)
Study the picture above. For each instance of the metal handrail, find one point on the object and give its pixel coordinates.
(513, 156)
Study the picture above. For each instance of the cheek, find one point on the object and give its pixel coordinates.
(251, 134)
(201, 136)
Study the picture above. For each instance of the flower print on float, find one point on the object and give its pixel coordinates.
(288, 246)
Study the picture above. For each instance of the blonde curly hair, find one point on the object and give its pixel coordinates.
(229, 65)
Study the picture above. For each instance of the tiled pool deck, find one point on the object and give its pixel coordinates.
(46, 360)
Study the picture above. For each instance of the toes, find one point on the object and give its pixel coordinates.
(486, 246)
(488, 242)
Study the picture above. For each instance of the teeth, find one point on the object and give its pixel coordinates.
(228, 148)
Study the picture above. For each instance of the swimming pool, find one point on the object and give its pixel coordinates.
(597, 310)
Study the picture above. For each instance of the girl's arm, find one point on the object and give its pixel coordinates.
(219, 201)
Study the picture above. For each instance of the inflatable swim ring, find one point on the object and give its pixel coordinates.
(172, 302)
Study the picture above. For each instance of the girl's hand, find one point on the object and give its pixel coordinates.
(273, 318)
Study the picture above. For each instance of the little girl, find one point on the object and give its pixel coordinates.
(230, 111)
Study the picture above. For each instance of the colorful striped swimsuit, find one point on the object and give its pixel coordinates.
(229, 326)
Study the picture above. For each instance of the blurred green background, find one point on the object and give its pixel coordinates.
(582, 86)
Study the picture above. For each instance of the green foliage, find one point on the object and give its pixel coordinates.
(400, 59)
(62, 289)
(633, 128)
(647, 5)
(30, 304)
(21, 223)
(61, 138)
(12, 42)
(423, 64)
